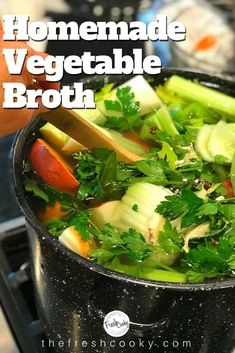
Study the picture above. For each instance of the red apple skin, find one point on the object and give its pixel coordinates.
(135, 138)
(227, 184)
(52, 168)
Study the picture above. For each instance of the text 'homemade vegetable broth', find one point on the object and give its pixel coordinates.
(167, 217)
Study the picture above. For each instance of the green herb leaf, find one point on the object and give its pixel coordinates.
(31, 185)
(169, 239)
(56, 226)
(26, 167)
(210, 260)
(129, 243)
(135, 207)
(152, 168)
(113, 106)
(80, 221)
(96, 172)
(101, 256)
(100, 95)
(187, 205)
(168, 154)
(173, 207)
(126, 105)
(219, 159)
(208, 209)
(136, 245)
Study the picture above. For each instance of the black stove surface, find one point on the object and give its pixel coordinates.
(16, 288)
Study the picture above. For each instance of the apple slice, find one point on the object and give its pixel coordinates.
(72, 146)
(59, 140)
(52, 168)
(73, 241)
(104, 213)
(55, 137)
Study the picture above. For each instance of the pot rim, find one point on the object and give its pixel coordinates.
(40, 230)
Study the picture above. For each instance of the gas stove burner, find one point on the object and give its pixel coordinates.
(16, 288)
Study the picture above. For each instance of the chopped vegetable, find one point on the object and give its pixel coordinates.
(73, 240)
(165, 122)
(222, 142)
(137, 85)
(199, 93)
(145, 221)
(202, 141)
(129, 109)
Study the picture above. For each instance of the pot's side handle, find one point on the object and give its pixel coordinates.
(99, 313)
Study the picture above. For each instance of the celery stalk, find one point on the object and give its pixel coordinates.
(160, 120)
(232, 173)
(164, 276)
(149, 273)
(165, 122)
(199, 93)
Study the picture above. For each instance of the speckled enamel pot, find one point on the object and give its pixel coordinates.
(73, 294)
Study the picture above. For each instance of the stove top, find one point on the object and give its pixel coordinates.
(16, 288)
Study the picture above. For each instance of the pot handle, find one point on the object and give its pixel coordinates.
(95, 312)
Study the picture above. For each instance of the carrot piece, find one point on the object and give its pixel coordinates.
(73, 241)
(206, 42)
(51, 212)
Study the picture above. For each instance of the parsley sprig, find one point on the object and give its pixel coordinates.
(128, 108)
(130, 243)
(211, 259)
(195, 210)
(186, 204)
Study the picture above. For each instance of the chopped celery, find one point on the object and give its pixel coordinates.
(204, 95)
(196, 111)
(150, 127)
(232, 173)
(168, 153)
(222, 141)
(100, 95)
(160, 120)
(177, 112)
(148, 273)
(148, 131)
(163, 275)
(165, 122)
(232, 126)
(167, 97)
(192, 115)
(202, 140)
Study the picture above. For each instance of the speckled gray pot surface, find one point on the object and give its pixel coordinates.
(73, 294)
